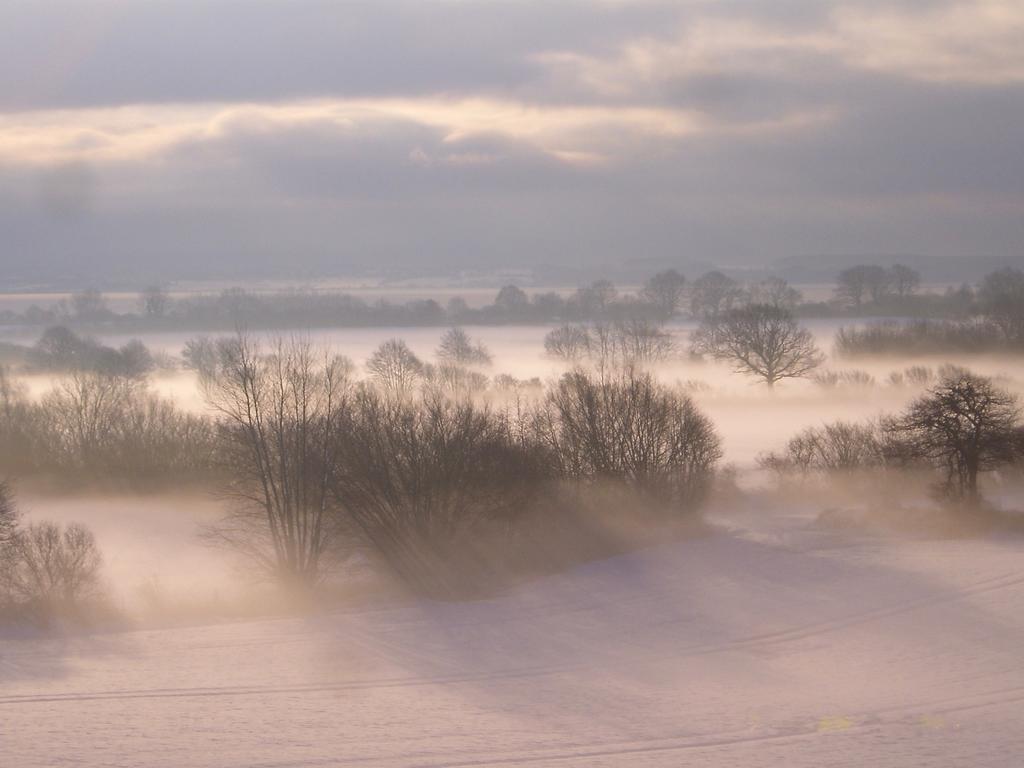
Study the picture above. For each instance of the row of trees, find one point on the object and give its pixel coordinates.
(320, 463)
(962, 427)
(99, 426)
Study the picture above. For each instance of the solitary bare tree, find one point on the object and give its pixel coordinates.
(456, 347)
(759, 340)
(278, 418)
(964, 426)
(395, 368)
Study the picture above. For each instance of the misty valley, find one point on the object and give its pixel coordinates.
(689, 477)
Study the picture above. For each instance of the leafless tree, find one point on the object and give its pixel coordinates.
(52, 566)
(862, 283)
(665, 291)
(395, 368)
(839, 447)
(904, 280)
(456, 347)
(568, 342)
(1001, 295)
(775, 292)
(279, 414)
(641, 341)
(760, 340)
(8, 516)
(712, 294)
(84, 412)
(631, 430)
(965, 426)
(416, 476)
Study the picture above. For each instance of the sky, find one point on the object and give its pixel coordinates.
(168, 139)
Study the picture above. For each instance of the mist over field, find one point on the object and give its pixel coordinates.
(426, 384)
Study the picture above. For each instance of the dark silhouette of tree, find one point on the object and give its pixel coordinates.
(52, 567)
(395, 368)
(278, 416)
(862, 284)
(456, 347)
(512, 300)
(964, 426)
(904, 280)
(627, 428)
(775, 292)
(665, 291)
(8, 517)
(759, 340)
(1001, 296)
(568, 342)
(417, 477)
(712, 294)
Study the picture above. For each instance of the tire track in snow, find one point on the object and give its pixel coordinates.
(755, 641)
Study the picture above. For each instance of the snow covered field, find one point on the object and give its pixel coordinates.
(769, 642)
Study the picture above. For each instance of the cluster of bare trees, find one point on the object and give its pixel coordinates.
(46, 570)
(960, 428)
(874, 284)
(321, 465)
(631, 341)
(99, 426)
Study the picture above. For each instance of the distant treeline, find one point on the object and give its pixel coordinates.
(995, 324)
(861, 291)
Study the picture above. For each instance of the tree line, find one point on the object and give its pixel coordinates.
(861, 290)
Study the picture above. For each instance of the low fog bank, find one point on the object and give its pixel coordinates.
(817, 452)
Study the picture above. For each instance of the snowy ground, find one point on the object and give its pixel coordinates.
(770, 642)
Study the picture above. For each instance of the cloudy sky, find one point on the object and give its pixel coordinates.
(183, 137)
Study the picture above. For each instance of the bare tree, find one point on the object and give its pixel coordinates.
(1001, 295)
(839, 447)
(512, 300)
(8, 516)
(418, 476)
(775, 292)
(395, 368)
(84, 412)
(52, 566)
(760, 340)
(712, 294)
(965, 426)
(665, 291)
(863, 283)
(642, 342)
(568, 342)
(629, 429)
(456, 347)
(279, 414)
(904, 280)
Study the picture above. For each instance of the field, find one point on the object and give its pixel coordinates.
(772, 638)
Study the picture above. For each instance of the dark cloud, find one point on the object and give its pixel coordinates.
(800, 145)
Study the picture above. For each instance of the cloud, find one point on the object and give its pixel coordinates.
(440, 132)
